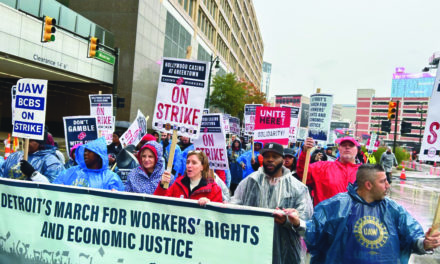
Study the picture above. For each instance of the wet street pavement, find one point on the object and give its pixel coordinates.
(419, 194)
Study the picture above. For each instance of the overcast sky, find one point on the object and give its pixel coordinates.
(342, 45)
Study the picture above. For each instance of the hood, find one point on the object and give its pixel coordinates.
(98, 146)
(44, 152)
(159, 150)
(259, 142)
(239, 144)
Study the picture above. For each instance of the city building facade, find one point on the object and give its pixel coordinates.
(411, 84)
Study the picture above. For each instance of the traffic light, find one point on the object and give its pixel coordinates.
(93, 46)
(385, 126)
(405, 127)
(49, 29)
(392, 110)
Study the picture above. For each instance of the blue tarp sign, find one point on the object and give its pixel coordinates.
(30, 109)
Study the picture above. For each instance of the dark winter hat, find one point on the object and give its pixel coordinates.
(289, 152)
(273, 147)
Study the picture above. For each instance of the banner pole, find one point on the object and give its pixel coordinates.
(26, 149)
(252, 147)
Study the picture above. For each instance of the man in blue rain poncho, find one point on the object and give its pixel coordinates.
(363, 226)
(92, 170)
(42, 164)
(272, 186)
(245, 160)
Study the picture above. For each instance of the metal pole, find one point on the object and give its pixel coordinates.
(395, 127)
(421, 122)
(115, 82)
(209, 83)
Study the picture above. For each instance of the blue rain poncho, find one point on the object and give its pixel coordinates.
(234, 165)
(177, 160)
(82, 176)
(284, 192)
(246, 159)
(183, 156)
(44, 161)
(346, 229)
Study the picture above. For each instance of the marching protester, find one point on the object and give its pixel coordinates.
(166, 146)
(328, 178)
(272, 186)
(290, 161)
(234, 166)
(360, 156)
(185, 146)
(92, 170)
(197, 183)
(363, 225)
(42, 165)
(115, 147)
(72, 162)
(387, 160)
(245, 160)
(145, 177)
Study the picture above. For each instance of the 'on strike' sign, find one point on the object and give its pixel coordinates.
(30, 109)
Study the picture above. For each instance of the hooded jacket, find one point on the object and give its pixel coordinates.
(82, 176)
(234, 166)
(347, 229)
(287, 192)
(44, 161)
(183, 156)
(327, 178)
(387, 161)
(180, 189)
(139, 181)
(246, 159)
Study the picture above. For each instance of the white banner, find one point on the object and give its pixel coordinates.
(30, 109)
(234, 125)
(181, 96)
(249, 118)
(46, 223)
(294, 122)
(320, 114)
(101, 106)
(212, 141)
(430, 150)
(136, 131)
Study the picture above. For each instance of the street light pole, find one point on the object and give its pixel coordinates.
(209, 78)
(421, 123)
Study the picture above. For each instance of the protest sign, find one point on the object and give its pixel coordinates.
(372, 142)
(234, 125)
(294, 122)
(249, 118)
(79, 129)
(181, 96)
(320, 113)
(101, 106)
(272, 125)
(135, 132)
(430, 150)
(226, 123)
(67, 224)
(30, 109)
(212, 141)
(302, 134)
(206, 111)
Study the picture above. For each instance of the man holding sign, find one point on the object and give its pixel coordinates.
(272, 186)
(363, 226)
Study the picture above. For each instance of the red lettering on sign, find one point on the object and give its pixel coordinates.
(433, 138)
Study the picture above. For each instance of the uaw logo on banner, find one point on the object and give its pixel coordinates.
(30, 109)
(181, 96)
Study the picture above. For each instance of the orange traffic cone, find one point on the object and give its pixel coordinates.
(8, 146)
(15, 145)
(402, 174)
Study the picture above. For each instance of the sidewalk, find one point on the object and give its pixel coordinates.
(416, 175)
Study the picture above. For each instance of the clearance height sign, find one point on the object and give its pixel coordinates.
(80, 225)
(181, 96)
(272, 125)
(30, 109)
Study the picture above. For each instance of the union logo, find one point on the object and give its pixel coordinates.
(370, 233)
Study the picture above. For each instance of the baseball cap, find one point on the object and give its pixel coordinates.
(273, 147)
(289, 152)
(352, 140)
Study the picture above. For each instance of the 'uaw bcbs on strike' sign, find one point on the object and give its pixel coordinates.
(181, 96)
(30, 109)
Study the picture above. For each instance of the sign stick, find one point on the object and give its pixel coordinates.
(252, 147)
(306, 166)
(114, 166)
(436, 221)
(26, 149)
(171, 156)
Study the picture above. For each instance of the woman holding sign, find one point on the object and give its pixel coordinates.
(146, 177)
(197, 183)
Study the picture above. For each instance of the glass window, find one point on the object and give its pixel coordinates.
(67, 19)
(50, 8)
(11, 3)
(99, 33)
(109, 39)
(167, 47)
(83, 26)
(30, 6)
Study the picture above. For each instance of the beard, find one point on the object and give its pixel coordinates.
(275, 169)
